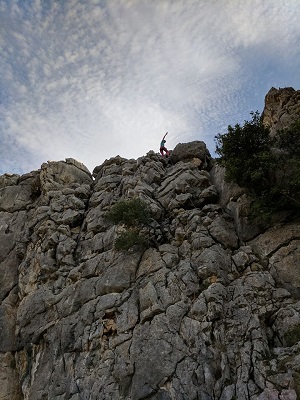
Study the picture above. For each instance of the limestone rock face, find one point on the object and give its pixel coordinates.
(188, 151)
(210, 312)
(282, 107)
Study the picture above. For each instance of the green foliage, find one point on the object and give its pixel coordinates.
(134, 214)
(131, 212)
(288, 139)
(244, 151)
(130, 238)
(268, 167)
(264, 206)
(288, 175)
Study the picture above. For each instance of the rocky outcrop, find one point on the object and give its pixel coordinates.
(211, 312)
(194, 151)
(282, 107)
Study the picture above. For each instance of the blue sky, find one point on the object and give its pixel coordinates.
(92, 79)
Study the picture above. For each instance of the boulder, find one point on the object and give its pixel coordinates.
(191, 151)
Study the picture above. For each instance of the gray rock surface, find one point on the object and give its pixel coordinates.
(211, 312)
(195, 151)
(282, 107)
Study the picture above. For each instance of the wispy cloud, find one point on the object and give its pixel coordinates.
(92, 79)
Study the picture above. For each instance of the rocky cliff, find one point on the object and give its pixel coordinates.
(282, 107)
(211, 312)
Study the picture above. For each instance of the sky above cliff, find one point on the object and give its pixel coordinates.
(92, 79)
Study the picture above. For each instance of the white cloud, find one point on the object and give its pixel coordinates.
(92, 79)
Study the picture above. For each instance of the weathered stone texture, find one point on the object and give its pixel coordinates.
(211, 312)
(196, 152)
(282, 107)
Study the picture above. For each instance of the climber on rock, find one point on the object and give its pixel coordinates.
(162, 148)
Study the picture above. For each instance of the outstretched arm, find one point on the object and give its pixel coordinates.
(165, 136)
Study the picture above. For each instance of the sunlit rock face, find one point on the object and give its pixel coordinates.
(212, 311)
(282, 107)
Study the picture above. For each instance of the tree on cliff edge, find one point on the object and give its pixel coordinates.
(268, 167)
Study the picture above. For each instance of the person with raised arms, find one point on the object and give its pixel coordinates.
(163, 150)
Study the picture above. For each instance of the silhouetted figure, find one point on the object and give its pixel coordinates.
(162, 148)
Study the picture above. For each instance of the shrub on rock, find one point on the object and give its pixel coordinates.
(134, 214)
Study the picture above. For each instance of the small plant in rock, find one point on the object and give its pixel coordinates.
(135, 215)
(130, 238)
(131, 212)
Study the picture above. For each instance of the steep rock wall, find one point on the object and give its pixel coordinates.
(282, 107)
(212, 312)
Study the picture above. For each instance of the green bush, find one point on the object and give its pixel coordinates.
(268, 167)
(245, 153)
(130, 238)
(134, 214)
(131, 212)
(287, 141)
